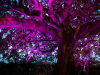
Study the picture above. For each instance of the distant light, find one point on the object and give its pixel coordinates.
(43, 56)
(40, 43)
(36, 19)
(55, 60)
(13, 38)
(47, 14)
(85, 38)
(46, 4)
(20, 50)
(91, 44)
(81, 49)
(5, 61)
(33, 44)
(56, 48)
(19, 59)
(39, 0)
(6, 51)
(28, 16)
(81, 56)
(96, 35)
(1, 55)
(4, 35)
(8, 31)
(72, 5)
(9, 12)
(29, 52)
(75, 18)
(1, 60)
(81, 6)
(0, 30)
(21, 16)
(62, 5)
(53, 53)
(10, 47)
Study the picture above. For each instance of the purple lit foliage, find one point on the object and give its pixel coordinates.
(38, 27)
(26, 44)
(90, 45)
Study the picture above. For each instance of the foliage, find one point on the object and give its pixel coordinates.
(53, 21)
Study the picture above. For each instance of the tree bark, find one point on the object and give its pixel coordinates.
(65, 64)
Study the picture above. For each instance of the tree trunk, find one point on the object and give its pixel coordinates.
(65, 64)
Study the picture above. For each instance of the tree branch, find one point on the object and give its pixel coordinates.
(38, 6)
(79, 52)
(4, 31)
(51, 12)
(19, 12)
(30, 24)
(89, 29)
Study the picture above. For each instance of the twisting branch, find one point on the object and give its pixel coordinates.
(38, 50)
(92, 29)
(44, 52)
(51, 12)
(38, 6)
(76, 32)
(34, 51)
(30, 24)
(4, 31)
(79, 52)
(53, 25)
(89, 29)
(19, 12)
(30, 56)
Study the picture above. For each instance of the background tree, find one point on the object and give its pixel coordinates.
(67, 22)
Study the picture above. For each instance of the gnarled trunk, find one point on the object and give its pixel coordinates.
(65, 64)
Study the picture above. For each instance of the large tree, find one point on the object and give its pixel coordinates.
(67, 22)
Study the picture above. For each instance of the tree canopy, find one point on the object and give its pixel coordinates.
(40, 27)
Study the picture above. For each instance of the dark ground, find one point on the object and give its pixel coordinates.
(39, 69)
(26, 69)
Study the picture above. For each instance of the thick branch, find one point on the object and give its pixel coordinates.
(51, 12)
(89, 29)
(30, 24)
